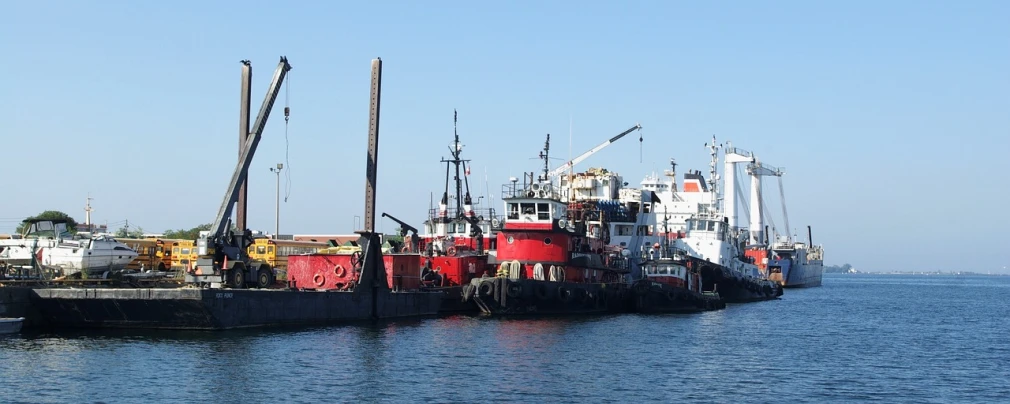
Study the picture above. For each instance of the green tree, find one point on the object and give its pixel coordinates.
(191, 234)
(136, 232)
(49, 215)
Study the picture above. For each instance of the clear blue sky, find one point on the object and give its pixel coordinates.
(892, 118)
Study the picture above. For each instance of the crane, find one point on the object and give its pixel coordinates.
(404, 228)
(756, 170)
(222, 258)
(558, 171)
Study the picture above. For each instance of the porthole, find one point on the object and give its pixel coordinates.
(510, 239)
(547, 240)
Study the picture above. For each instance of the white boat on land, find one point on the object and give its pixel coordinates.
(50, 245)
(11, 325)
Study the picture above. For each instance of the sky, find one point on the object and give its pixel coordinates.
(891, 119)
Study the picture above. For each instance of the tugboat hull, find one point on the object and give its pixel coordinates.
(655, 297)
(529, 296)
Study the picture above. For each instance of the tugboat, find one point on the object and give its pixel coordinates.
(671, 281)
(454, 248)
(552, 259)
(720, 255)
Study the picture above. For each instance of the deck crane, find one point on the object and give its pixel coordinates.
(756, 170)
(222, 258)
(404, 228)
(558, 171)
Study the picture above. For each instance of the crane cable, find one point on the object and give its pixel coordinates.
(640, 148)
(287, 115)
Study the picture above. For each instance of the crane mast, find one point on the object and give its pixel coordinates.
(558, 171)
(756, 170)
(219, 245)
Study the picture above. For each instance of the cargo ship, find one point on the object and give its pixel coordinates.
(797, 264)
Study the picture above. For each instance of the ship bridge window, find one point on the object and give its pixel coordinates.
(644, 230)
(514, 211)
(528, 208)
(711, 226)
(624, 230)
(543, 211)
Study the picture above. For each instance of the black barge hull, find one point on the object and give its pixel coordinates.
(220, 309)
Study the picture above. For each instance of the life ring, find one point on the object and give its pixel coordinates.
(564, 294)
(486, 288)
(514, 289)
(451, 251)
(541, 291)
(339, 271)
(318, 279)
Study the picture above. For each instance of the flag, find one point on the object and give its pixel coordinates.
(468, 170)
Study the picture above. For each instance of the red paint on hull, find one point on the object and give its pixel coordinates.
(547, 248)
(335, 272)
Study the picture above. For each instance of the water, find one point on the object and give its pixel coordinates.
(859, 338)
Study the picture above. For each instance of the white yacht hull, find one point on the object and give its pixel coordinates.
(68, 257)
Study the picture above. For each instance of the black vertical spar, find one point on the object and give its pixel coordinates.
(455, 150)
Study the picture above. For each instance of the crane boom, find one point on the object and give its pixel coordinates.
(222, 257)
(558, 171)
(220, 224)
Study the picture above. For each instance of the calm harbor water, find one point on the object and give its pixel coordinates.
(858, 338)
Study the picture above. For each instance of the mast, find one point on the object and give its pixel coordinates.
(464, 200)
(713, 172)
(545, 156)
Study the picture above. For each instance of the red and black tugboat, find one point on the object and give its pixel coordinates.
(552, 258)
(671, 281)
(453, 248)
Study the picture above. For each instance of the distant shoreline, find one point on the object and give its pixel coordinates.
(932, 273)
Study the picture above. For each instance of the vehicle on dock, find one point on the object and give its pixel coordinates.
(152, 253)
(184, 255)
(276, 252)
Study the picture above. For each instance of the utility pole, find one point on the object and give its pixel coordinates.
(277, 212)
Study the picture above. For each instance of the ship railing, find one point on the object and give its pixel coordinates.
(453, 213)
(536, 190)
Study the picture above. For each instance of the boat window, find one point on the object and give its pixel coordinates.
(513, 211)
(527, 208)
(543, 211)
(711, 226)
(624, 230)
